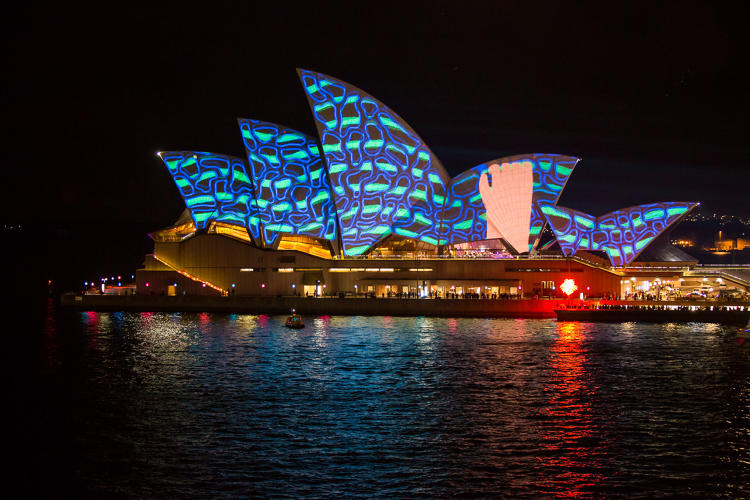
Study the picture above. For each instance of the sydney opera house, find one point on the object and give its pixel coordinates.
(367, 208)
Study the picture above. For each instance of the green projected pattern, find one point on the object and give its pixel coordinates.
(215, 187)
(622, 234)
(290, 184)
(372, 176)
(385, 179)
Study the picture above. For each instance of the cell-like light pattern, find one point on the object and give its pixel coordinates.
(385, 179)
(290, 184)
(215, 187)
(374, 177)
(622, 234)
(464, 217)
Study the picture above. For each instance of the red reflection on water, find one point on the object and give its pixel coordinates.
(571, 460)
(452, 325)
(147, 318)
(92, 318)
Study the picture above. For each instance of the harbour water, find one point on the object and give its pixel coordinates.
(222, 405)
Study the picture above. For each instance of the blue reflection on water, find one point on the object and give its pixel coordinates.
(155, 404)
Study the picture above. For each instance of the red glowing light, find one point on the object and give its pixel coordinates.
(568, 286)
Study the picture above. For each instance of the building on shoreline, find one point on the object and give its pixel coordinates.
(368, 209)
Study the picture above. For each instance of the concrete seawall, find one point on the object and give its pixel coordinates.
(350, 306)
(318, 306)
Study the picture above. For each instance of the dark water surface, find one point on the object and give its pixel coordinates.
(213, 405)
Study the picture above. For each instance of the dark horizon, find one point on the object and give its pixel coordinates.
(652, 100)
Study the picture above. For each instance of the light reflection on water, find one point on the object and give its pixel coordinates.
(165, 404)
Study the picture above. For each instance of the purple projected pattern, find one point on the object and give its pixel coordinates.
(215, 187)
(622, 234)
(375, 177)
(291, 186)
(385, 179)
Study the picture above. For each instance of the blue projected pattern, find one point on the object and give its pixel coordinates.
(215, 187)
(290, 182)
(551, 173)
(385, 179)
(622, 234)
(464, 215)
(375, 177)
(464, 218)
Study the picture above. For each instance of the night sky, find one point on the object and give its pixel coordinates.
(652, 99)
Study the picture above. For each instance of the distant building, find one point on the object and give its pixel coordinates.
(729, 244)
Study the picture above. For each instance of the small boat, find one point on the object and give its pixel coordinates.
(294, 321)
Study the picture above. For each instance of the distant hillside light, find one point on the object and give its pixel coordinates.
(568, 286)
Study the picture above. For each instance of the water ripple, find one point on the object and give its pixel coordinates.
(208, 405)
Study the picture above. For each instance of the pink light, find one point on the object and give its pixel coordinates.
(146, 284)
(508, 201)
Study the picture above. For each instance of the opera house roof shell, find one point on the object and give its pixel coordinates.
(370, 177)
